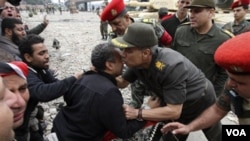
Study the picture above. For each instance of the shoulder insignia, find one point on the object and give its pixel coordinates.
(228, 33)
(186, 23)
(159, 65)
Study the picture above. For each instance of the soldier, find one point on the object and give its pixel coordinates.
(182, 89)
(199, 39)
(118, 18)
(240, 24)
(103, 24)
(238, 85)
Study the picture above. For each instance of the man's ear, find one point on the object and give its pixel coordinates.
(8, 32)
(27, 57)
(109, 65)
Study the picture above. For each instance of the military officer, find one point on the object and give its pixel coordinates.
(236, 96)
(118, 18)
(240, 24)
(199, 39)
(181, 87)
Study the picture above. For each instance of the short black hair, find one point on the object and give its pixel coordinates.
(101, 54)
(9, 23)
(162, 12)
(245, 7)
(26, 44)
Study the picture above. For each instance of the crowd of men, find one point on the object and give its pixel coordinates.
(193, 71)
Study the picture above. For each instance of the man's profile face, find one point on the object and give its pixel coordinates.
(120, 24)
(133, 57)
(239, 13)
(18, 33)
(240, 83)
(40, 56)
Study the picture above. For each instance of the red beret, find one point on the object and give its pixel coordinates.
(15, 67)
(238, 3)
(234, 54)
(113, 10)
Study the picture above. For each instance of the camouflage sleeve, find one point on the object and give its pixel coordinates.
(224, 102)
(159, 30)
(163, 36)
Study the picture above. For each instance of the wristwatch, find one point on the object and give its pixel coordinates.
(139, 117)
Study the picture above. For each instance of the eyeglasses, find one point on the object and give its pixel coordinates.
(187, 2)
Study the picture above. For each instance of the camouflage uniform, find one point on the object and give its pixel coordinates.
(230, 100)
(236, 29)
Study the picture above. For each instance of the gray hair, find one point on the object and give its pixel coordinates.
(101, 54)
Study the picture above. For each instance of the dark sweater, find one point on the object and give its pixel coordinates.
(94, 106)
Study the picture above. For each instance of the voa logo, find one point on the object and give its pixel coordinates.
(236, 132)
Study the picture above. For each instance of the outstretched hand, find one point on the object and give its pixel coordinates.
(45, 20)
(175, 128)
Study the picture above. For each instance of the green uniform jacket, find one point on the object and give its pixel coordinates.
(236, 29)
(200, 50)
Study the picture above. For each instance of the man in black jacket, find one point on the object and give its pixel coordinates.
(43, 86)
(94, 102)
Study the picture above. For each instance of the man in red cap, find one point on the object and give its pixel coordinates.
(240, 24)
(117, 16)
(14, 76)
(233, 55)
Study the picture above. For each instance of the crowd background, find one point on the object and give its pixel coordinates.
(77, 35)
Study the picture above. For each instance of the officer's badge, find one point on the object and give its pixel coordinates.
(113, 12)
(159, 65)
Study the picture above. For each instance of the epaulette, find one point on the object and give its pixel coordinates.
(230, 34)
(186, 23)
(148, 21)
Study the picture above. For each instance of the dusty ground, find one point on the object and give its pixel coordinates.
(78, 34)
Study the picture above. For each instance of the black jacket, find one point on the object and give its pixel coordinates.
(43, 87)
(94, 106)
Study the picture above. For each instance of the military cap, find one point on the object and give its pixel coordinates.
(239, 3)
(137, 35)
(114, 9)
(14, 67)
(233, 54)
(202, 3)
